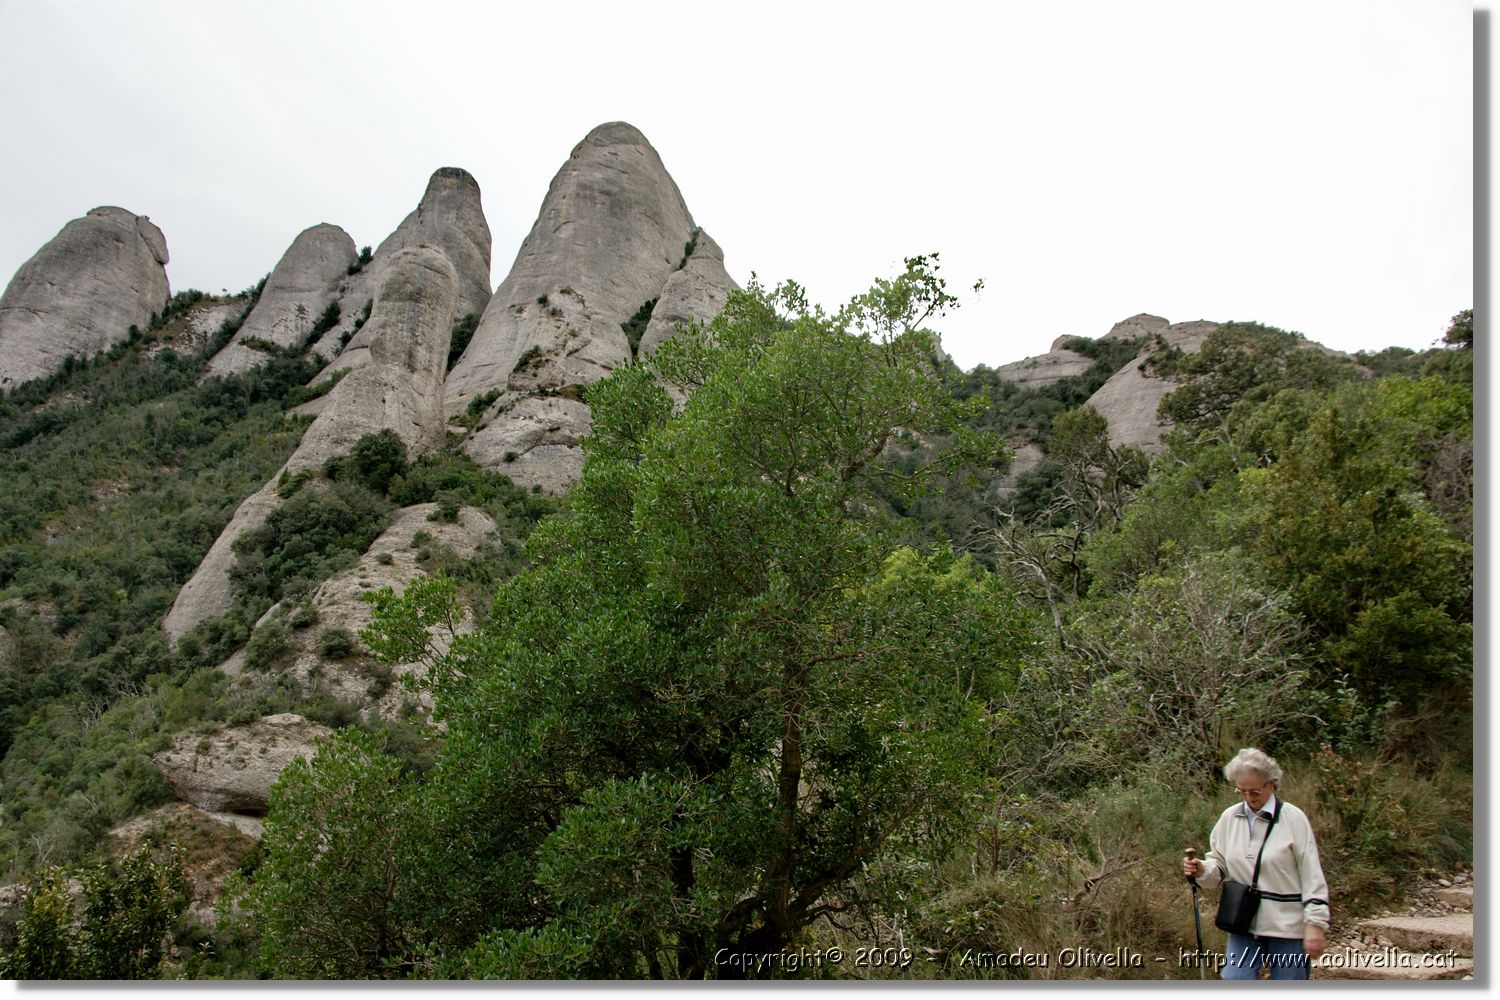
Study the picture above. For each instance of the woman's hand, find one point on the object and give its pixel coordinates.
(1314, 941)
(1192, 867)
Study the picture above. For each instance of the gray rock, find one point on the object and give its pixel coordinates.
(611, 236)
(450, 217)
(1028, 456)
(402, 386)
(391, 561)
(297, 292)
(1045, 369)
(232, 769)
(401, 389)
(610, 232)
(1130, 398)
(534, 440)
(1139, 325)
(695, 292)
(209, 593)
(81, 293)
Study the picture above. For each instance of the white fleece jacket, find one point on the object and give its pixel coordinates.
(1294, 891)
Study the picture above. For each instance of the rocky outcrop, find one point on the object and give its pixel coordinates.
(211, 844)
(534, 440)
(298, 290)
(81, 293)
(613, 235)
(695, 291)
(1130, 398)
(449, 217)
(209, 593)
(232, 769)
(1141, 325)
(402, 386)
(401, 389)
(393, 560)
(1044, 369)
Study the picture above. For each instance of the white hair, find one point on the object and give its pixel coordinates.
(1251, 759)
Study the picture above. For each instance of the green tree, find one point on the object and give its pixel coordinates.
(328, 892)
(1243, 362)
(1342, 523)
(128, 908)
(723, 693)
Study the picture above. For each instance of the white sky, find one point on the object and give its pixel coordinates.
(1304, 164)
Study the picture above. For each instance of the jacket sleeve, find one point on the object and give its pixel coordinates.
(1310, 874)
(1213, 861)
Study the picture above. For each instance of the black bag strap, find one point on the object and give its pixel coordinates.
(1255, 876)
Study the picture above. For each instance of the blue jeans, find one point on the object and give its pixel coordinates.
(1246, 953)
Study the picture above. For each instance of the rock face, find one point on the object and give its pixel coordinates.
(613, 234)
(402, 386)
(449, 217)
(297, 292)
(401, 389)
(81, 293)
(1045, 369)
(1139, 325)
(393, 560)
(1130, 398)
(695, 292)
(232, 770)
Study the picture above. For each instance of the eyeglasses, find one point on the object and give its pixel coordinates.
(1253, 791)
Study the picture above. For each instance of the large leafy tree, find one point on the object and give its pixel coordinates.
(723, 694)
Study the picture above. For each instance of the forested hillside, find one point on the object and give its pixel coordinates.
(796, 671)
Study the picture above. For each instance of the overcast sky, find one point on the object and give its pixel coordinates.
(1304, 164)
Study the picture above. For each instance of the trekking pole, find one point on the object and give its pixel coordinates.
(1197, 924)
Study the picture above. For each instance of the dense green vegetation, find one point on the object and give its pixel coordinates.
(784, 672)
(120, 473)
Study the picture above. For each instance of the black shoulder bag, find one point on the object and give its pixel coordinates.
(1238, 902)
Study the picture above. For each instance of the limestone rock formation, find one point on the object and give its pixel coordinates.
(401, 389)
(209, 593)
(696, 291)
(402, 386)
(212, 846)
(232, 769)
(81, 293)
(393, 560)
(534, 440)
(613, 234)
(1142, 325)
(449, 217)
(1130, 398)
(298, 290)
(1044, 369)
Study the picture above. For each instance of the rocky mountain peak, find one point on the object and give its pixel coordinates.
(296, 293)
(450, 219)
(81, 293)
(613, 242)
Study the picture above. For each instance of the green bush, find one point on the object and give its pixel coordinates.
(128, 908)
(336, 643)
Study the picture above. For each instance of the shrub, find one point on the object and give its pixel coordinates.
(336, 643)
(128, 908)
(528, 359)
(458, 340)
(268, 645)
(635, 327)
(374, 460)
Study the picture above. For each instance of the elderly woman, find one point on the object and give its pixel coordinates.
(1291, 926)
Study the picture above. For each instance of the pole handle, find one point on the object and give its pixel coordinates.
(1189, 854)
